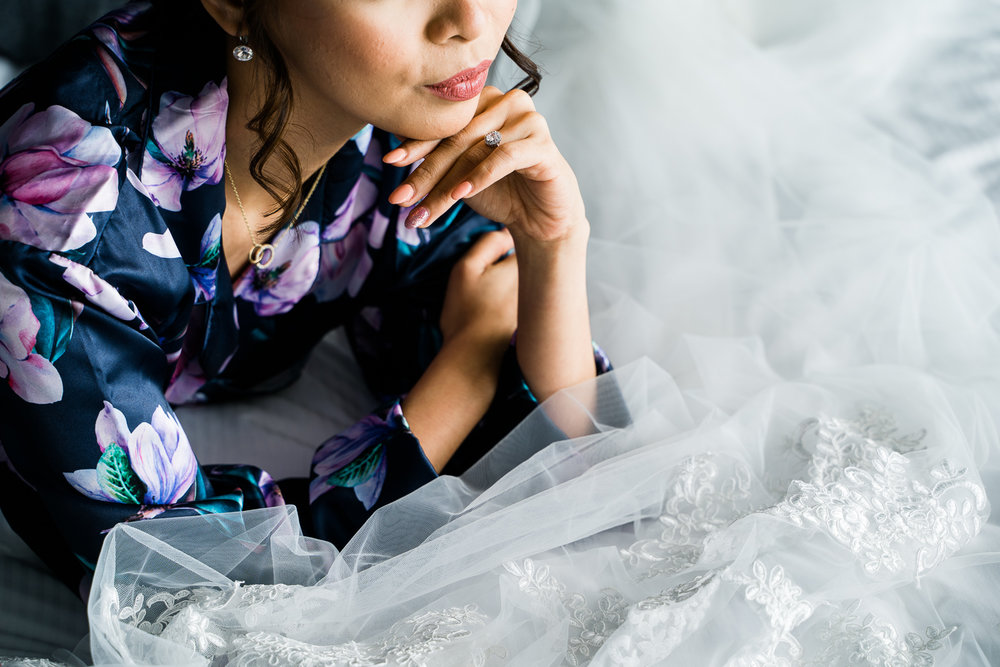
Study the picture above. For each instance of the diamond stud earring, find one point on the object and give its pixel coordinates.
(243, 53)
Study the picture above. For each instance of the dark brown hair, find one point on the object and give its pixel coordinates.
(271, 121)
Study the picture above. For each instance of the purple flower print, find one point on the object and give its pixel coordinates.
(137, 183)
(356, 458)
(380, 224)
(359, 201)
(277, 288)
(204, 273)
(188, 146)
(344, 265)
(152, 465)
(186, 382)
(55, 170)
(30, 375)
(270, 490)
(344, 259)
(363, 140)
(189, 377)
(162, 457)
(98, 291)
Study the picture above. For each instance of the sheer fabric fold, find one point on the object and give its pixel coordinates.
(831, 515)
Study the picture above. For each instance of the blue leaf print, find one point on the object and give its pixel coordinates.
(55, 326)
(360, 470)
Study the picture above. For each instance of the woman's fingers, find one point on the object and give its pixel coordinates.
(449, 150)
(505, 159)
(503, 114)
(480, 167)
(488, 250)
(412, 150)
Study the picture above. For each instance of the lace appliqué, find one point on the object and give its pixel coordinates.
(841, 443)
(409, 643)
(195, 630)
(850, 640)
(703, 497)
(784, 608)
(875, 501)
(627, 634)
(657, 625)
(185, 618)
(177, 616)
(153, 613)
(589, 625)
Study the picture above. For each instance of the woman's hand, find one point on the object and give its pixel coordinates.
(527, 185)
(524, 183)
(480, 304)
(478, 320)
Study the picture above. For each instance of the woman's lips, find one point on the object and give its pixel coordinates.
(463, 86)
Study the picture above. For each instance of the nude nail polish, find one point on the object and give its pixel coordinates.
(402, 194)
(394, 156)
(461, 190)
(417, 217)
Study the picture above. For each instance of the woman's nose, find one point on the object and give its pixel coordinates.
(464, 20)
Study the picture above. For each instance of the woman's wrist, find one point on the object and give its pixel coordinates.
(454, 393)
(553, 340)
(546, 263)
(572, 241)
(480, 343)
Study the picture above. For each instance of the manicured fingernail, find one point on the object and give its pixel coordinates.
(461, 190)
(417, 217)
(394, 156)
(402, 194)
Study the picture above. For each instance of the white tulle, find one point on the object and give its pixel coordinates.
(795, 266)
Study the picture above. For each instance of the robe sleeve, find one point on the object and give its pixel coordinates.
(88, 436)
(394, 339)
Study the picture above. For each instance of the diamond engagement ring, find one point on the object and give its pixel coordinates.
(493, 139)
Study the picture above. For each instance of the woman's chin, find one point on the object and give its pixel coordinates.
(436, 124)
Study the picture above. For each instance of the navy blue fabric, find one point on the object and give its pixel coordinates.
(116, 300)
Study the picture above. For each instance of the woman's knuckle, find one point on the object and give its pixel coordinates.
(452, 143)
(507, 154)
(520, 98)
(537, 121)
(419, 175)
(490, 171)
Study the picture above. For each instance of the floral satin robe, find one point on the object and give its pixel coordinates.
(116, 301)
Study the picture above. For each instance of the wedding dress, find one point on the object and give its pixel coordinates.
(795, 267)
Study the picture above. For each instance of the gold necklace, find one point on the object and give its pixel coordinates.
(262, 254)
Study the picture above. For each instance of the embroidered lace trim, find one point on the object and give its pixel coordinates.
(864, 487)
(868, 495)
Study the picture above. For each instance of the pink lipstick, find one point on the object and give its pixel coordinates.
(463, 86)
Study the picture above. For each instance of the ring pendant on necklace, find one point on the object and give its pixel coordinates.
(261, 255)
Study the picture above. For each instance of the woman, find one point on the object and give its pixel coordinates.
(781, 220)
(178, 227)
